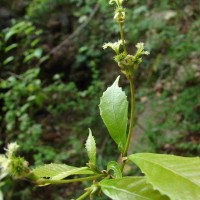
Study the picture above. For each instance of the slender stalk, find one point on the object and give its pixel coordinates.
(44, 181)
(122, 36)
(83, 196)
(131, 121)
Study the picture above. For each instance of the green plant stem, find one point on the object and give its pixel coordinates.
(46, 181)
(83, 196)
(122, 36)
(131, 121)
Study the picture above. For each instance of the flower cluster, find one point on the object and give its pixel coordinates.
(10, 164)
(127, 63)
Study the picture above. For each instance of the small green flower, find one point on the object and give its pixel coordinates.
(118, 2)
(120, 57)
(115, 46)
(120, 16)
(140, 51)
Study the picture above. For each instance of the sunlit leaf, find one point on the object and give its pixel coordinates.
(130, 188)
(58, 171)
(114, 112)
(178, 177)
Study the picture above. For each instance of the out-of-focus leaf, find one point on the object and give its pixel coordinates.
(1, 195)
(9, 34)
(11, 47)
(8, 60)
(38, 53)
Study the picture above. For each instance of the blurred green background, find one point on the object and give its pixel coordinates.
(53, 71)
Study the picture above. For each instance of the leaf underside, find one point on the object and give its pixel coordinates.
(130, 188)
(58, 171)
(114, 112)
(177, 177)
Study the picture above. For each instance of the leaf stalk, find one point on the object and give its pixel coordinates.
(84, 196)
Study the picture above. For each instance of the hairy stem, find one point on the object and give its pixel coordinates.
(46, 181)
(122, 37)
(131, 121)
(83, 196)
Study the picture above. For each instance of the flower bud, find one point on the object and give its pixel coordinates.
(120, 16)
(10, 164)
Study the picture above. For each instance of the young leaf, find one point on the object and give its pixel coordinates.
(178, 177)
(58, 171)
(114, 111)
(130, 188)
(114, 166)
(91, 148)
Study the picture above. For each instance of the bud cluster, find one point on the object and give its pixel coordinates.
(119, 11)
(11, 164)
(126, 62)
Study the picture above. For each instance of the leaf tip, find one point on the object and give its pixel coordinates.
(116, 81)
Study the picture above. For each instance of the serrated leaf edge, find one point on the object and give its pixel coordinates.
(154, 186)
(126, 191)
(90, 146)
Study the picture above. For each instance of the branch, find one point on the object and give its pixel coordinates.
(71, 37)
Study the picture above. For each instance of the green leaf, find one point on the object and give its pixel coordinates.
(1, 195)
(178, 177)
(58, 171)
(10, 47)
(91, 148)
(130, 188)
(38, 53)
(9, 34)
(35, 42)
(114, 112)
(8, 60)
(29, 57)
(114, 166)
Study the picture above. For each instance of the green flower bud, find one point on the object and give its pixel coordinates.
(120, 57)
